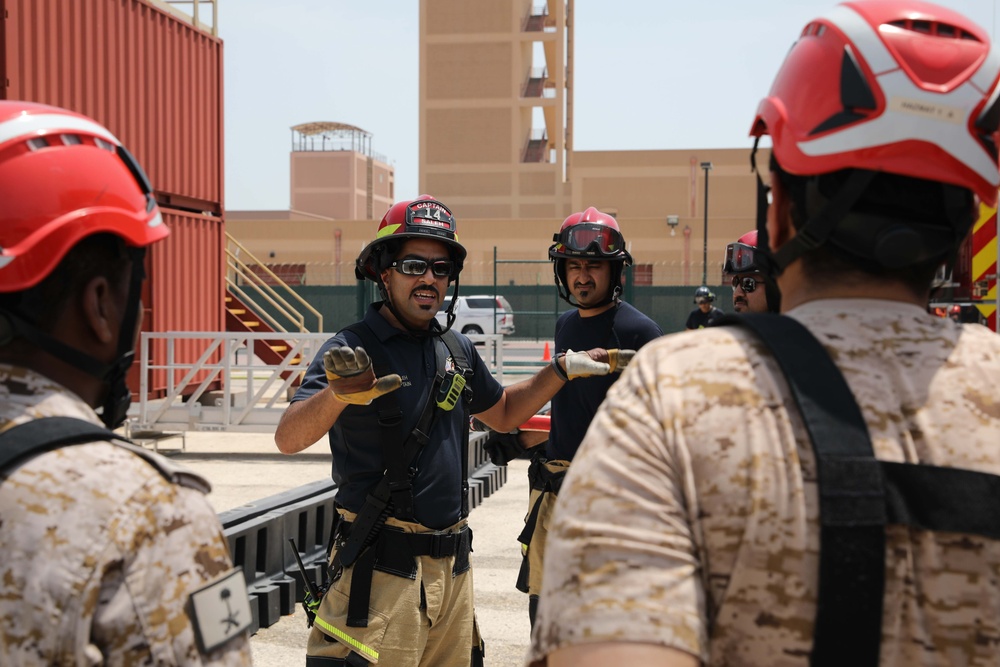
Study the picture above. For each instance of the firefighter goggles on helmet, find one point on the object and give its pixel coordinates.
(441, 268)
(746, 283)
(591, 238)
(740, 258)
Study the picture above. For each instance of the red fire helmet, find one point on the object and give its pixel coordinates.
(423, 217)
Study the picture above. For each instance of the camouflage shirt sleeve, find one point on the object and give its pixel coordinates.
(101, 552)
(621, 514)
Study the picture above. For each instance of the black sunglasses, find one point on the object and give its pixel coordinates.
(746, 283)
(441, 268)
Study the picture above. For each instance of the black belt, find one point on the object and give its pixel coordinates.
(542, 479)
(395, 552)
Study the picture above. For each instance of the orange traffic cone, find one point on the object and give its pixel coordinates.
(546, 354)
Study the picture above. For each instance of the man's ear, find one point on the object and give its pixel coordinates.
(101, 309)
(780, 229)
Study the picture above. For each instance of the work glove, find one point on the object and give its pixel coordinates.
(504, 447)
(619, 359)
(351, 377)
(500, 447)
(596, 362)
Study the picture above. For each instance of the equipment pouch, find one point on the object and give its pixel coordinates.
(450, 392)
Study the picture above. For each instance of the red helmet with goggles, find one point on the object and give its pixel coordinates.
(908, 88)
(423, 217)
(741, 255)
(590, 234)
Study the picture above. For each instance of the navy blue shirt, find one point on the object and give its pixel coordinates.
(355, 437)
(699, 320)
(622, 327)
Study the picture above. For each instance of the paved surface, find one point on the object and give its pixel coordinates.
(246, 467)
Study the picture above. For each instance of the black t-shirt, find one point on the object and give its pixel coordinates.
(698, 320)
(622, 327)
(355, 439)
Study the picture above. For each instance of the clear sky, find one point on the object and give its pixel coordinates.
(650, 74)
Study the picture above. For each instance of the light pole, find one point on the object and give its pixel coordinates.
(707, 166)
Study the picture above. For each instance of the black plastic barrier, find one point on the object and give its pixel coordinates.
(258, 534)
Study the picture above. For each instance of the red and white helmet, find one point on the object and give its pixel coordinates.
(903, 87)
(423, 217)
(64, 177)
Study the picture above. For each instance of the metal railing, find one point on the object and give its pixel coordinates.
(179, 390)
(240, 274)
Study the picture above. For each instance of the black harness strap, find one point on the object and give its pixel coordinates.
(465, 368)
(859, 495)
(394, 493)
(44, 435)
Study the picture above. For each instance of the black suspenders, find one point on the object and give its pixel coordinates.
(859, 495)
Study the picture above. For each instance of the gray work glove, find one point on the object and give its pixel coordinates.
(351, 377)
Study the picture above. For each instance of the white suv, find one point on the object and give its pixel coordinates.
(474, 314)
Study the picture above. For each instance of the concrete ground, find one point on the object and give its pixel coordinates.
(244, 467)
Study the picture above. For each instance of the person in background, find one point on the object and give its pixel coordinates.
(705, 313)
(112, 555)
(588, 261)
(751, 292)
(741, 532)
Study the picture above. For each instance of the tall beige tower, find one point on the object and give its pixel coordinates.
(335, 173)
(496, 106)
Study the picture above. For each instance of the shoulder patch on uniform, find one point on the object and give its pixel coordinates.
(220, 610)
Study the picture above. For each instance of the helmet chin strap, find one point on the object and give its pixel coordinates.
(118, 397)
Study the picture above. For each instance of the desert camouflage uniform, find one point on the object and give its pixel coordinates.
(100, 552)
(689, 518)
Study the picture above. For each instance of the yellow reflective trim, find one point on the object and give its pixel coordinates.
(350, 641)
(387, 230)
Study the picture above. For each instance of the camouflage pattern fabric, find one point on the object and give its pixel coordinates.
(100, 551)
(689, 517)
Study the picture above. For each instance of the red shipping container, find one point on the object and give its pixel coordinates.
(154, 80)
(184, 291)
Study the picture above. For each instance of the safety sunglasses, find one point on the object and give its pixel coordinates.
(739, 258)
(592, 238)
(441, 268)
(746, 283)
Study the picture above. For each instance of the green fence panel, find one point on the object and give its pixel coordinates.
(536, 307)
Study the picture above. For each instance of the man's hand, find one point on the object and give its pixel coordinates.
(619, 359)
(586, 364)
(596, 362)
(504, 447)
(351, 377)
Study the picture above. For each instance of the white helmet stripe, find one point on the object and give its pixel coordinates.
(29, 124)
(860, 33)
(911, 112)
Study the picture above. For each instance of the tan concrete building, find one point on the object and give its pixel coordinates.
(496, 145)
(335, 173)
(495, 106)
